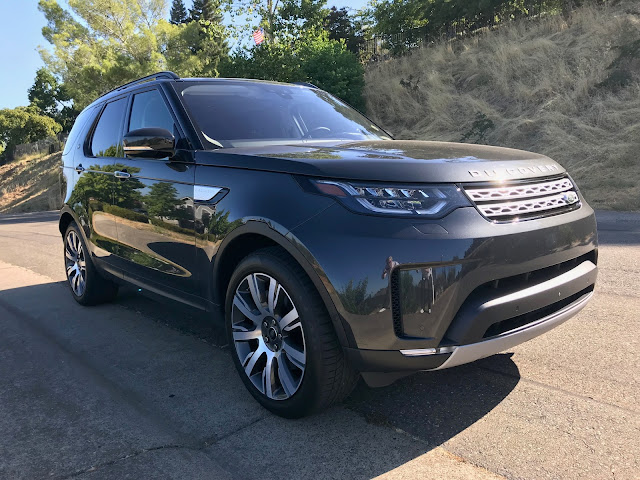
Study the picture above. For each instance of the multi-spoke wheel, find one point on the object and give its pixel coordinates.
(87, 286)
(75, 263)
(283, 342)
(268, 336)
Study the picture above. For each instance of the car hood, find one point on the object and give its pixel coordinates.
(388, 160)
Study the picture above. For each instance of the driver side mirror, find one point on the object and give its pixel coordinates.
(149, 143)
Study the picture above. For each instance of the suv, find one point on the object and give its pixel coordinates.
(328, 249)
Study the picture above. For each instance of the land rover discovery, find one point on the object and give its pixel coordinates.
(328, 249)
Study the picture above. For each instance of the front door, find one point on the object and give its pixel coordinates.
(154, 200)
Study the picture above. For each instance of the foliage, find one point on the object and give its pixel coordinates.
(24, 125)
(208, 10)
(99, 44)
(178, 12)
(323, 62)
(342, 27)
(402, 22)
(479, 130)
(52, 99)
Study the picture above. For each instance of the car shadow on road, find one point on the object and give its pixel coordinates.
(433, 406)
(436, 406)
(189, 390)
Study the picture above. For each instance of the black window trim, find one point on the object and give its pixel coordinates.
(88, 152)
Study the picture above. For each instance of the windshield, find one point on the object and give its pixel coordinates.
(233, 114)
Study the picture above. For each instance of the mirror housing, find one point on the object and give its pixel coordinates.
(149, 143)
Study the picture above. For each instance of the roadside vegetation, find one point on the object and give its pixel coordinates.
(567, 87)
(559, 77)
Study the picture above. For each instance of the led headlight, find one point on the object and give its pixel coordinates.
(420, 200)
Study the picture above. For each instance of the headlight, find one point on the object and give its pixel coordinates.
(432, 201)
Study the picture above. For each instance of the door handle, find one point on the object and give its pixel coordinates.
(122, 175)
(80, 168)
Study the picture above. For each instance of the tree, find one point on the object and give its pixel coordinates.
(282, 20)
(178, 12)
(206, 10)
(341, 27)
(104, 43)
(318, 60)
(51, 99)
(24, 125)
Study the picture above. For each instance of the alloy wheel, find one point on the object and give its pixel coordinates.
(75, 262)
(268, 336)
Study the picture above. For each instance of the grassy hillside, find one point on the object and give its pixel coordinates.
(567, 89)
(31, 185)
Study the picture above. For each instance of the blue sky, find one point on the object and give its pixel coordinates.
(20, 36)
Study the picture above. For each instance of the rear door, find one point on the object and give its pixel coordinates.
(155, 204)
(94, 165)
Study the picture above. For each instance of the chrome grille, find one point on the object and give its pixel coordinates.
(524, 201)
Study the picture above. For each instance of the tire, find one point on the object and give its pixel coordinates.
(291, 332)
(87, 286)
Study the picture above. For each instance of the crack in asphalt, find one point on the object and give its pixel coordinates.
(196, 447)
(560, 390)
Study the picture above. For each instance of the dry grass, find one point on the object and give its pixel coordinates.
(542, 85)
(31, 184)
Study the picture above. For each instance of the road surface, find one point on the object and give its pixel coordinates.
(140, 389)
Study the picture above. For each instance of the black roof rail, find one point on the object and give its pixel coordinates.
(148, 78)
(306, 84)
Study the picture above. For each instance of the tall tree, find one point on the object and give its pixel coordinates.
(341, 26)
(51, 99)
(209, 10)
(101, 44)
(178, 12)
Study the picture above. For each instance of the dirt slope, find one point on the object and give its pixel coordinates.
(567, 89)
(31, 185)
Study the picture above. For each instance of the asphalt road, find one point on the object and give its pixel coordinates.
(140, 389)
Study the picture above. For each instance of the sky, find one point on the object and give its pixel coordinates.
(19, 41)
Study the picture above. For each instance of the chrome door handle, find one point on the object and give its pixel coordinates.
(119, 174)
(80, 168)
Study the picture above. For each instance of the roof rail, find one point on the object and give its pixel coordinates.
(306, 84)
(148, 78)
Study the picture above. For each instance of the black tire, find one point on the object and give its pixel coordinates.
(328, 377)
(97, 289)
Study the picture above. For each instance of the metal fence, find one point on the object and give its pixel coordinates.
(41, 147)
(384, 46)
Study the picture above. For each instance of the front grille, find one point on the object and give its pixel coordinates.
(524, 200)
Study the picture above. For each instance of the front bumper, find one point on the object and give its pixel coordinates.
(464, 288)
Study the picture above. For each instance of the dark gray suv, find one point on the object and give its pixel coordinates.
(328, 249)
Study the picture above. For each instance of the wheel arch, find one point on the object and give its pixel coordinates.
(65, 220)
(253, 236)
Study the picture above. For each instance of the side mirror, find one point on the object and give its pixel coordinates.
(149, 143)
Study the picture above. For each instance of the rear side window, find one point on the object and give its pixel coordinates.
(78, 127)
(150, 110)
(106, 137)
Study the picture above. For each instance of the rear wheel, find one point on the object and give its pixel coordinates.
(87, 286)
(282, 338)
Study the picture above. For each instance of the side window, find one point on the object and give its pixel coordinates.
(106, 137)
(77, 128)
(149, 110)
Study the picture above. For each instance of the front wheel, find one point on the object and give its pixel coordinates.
(282, 338)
